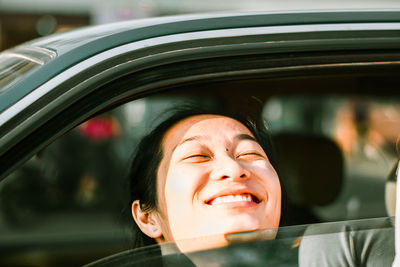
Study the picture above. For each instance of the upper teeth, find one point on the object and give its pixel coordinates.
(231, 198)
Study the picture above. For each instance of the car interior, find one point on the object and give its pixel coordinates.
(334, 131)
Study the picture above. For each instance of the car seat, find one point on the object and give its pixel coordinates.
(311, 170)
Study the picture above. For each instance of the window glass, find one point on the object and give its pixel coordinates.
(300, 245)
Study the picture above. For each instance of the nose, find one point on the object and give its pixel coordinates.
(227, 167)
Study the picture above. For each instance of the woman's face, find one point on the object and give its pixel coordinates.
(214, 178)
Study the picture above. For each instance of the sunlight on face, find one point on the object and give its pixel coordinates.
(214, 178)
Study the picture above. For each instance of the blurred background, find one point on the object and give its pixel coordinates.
(23, 20)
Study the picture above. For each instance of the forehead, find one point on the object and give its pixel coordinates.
(204, 125)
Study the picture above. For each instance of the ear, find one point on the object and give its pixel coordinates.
(147, 221)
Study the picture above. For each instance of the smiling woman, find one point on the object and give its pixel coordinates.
(200, 174)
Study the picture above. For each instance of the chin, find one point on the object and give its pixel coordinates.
(245, 224)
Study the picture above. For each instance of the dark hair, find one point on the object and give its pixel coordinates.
(143, 171)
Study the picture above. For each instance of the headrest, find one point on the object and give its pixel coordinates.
(310, 167)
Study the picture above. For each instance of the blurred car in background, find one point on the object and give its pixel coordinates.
(74, 105)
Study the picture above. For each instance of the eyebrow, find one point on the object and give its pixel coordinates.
(189, 139)
(241, 137)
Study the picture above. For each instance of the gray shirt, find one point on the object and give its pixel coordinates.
(351, 243)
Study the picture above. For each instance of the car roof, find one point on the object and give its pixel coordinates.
(110, 35)
(77, 45)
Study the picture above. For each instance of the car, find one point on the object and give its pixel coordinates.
(74, 105)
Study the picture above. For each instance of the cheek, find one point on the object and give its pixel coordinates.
(270, 182)
(266, 172)
(179, 184)
(173, 200)
(175, 184)
(184, 182)
(274, 187)
(274, 190)
(181, 192)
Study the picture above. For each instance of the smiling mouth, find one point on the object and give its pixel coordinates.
(233, 198)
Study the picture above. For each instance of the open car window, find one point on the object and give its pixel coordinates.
(75, 189)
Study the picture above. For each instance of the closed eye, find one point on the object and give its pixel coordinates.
(251, 155)
(197, 158)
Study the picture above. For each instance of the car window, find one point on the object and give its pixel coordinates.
(73, 192)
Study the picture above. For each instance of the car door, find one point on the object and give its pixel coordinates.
(103, 100)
